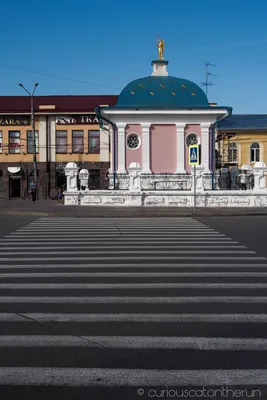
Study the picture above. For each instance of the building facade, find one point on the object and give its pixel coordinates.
(155, 120)
(241, 140)
(66, 129)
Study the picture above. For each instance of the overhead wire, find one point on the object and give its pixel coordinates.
(57, 76)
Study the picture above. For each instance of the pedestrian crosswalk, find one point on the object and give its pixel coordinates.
(109, 303)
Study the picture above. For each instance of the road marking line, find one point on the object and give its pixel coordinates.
(123, 317)
(50, 274)
(139, 378)
(113, 258)
(137, 342)
(134, 265)
(134, 250)
(114, 286)
(133, 300)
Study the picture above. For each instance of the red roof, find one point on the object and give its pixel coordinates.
(64, 104)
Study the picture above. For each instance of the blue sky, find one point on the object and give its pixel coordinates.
(102, 46)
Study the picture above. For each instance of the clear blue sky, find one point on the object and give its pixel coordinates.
(110, 43)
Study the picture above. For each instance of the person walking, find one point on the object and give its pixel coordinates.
(60, 195)
(243, 180)
(33, 190)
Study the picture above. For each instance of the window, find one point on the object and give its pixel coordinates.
(77, 141)
(30, 142)
(1, 142)
(14, 142)
(94, 142)
(232, 153)
(255, 152)
(191, 139)
(61, 142)
(133, 141)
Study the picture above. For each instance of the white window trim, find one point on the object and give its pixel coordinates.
(237, 152)
(194, 133)
(261, 151)
(139, 137)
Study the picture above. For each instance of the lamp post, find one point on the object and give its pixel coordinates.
(33, 130)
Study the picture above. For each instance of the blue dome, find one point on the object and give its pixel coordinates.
(162, 92)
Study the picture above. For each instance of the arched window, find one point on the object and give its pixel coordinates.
(232, 152)
(255, 152)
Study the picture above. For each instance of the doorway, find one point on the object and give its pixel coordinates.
(15, 186)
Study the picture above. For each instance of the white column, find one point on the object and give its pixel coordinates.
(205, 158)
(52, 134)
(111, 138)
(180, 147)
(121, 148)
(42, 138)
(146, 149)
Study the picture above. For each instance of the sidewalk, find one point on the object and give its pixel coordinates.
(45, 208)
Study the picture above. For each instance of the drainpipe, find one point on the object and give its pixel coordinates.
(212, 160)
(101, 118)
(47, 159)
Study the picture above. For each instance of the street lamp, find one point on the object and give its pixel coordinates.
(33, 130)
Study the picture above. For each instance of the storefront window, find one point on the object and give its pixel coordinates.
(30, 142)
(1, 142)
(14, 142)
(77, 141)
(94, 142)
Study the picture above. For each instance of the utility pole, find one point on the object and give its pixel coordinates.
(33, 130)
(207, 83)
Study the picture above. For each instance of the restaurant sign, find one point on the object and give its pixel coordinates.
(14, 120)
(77, 119)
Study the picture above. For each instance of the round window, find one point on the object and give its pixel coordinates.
(191, 139)
(133, 141)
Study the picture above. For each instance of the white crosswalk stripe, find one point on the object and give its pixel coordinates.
(98, 302)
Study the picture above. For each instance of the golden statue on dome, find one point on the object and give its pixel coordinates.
(160, 45)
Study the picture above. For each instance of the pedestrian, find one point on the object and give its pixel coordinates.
(243, 180)
(60, 194)
(33, 190)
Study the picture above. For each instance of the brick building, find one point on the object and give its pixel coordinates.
(66, 129)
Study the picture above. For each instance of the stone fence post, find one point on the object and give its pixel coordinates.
(134, 171)
(199, 178)
(84, 177)
(71, 172)
(259, 172)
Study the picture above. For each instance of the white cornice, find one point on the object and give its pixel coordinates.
(113, 111)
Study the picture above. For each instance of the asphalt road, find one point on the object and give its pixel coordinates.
(128, 308)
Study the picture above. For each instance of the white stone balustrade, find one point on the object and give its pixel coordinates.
(71, 172)
(135, 171)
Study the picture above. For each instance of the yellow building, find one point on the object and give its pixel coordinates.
(66, 128)
(241, 140)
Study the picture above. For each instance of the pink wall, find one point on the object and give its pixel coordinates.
(190, 129)
(133, 155)
(163, 148)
